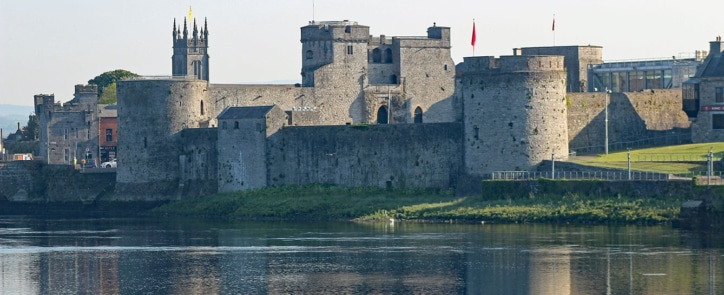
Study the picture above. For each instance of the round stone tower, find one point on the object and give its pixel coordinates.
(515, 112)
(151, 113)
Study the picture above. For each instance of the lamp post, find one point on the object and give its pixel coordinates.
(553, 166)
(709, 167)
(608, 93)
(629, 163)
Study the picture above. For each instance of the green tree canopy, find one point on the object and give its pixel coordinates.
(109, 94)
(31, 130)
(106, 83)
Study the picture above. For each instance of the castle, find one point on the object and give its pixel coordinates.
(370, 111)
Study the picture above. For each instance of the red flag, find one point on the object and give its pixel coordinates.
(472, 42)
(554, 24)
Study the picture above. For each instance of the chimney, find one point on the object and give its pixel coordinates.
(715, 47)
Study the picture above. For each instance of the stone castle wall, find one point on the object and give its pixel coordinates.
(287, 97)
(514, 112)
(632, 116)
(429, 85)
(198, 161)
(402, 155)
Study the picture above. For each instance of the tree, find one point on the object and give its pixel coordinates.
(109, 95)
(31, 130)
(106, 83)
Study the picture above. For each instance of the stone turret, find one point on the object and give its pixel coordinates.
(514, 112)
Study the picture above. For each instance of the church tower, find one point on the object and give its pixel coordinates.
(190, 53)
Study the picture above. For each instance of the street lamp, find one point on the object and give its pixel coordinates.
(608, 93)
(629, 163)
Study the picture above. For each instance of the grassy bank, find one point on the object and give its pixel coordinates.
(322, 202)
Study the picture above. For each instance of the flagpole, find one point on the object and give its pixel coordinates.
(473, 39)
(553, 28)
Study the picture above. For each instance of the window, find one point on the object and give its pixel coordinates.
(719, 94)
(418, 115)
(653, 79)
(376, 55)
(350, 49)
(393, 79)
(236, 124)
(202, 107)
(717, 121)
(388, 56)
(309, 54)
(65, 133)
(636, 81)
(348, 29)
(66, 154)
(109, 135)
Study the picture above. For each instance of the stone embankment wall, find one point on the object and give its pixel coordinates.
(18, 180)
(33, 181)
(632, 116)
(510, 189)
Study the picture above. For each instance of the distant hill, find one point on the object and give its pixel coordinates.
(11, 114)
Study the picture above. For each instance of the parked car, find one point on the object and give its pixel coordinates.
(110, 164)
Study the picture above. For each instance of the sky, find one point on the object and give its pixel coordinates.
(49, 46)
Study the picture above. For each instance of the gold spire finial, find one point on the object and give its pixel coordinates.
(190, 14)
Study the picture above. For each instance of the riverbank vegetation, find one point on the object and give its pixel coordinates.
(326, 202)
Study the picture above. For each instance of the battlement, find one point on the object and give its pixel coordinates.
(435, 32)
(514, 63)
(335, 31)
(86, 89)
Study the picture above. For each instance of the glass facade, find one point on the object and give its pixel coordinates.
(633, 76)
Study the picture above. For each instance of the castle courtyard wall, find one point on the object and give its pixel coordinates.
(632, 116)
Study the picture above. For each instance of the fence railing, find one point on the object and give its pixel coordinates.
(675, 157)
(702, 178)
(579, 175)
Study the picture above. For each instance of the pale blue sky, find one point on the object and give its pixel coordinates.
(49, 46)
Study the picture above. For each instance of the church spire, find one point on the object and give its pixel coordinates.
(206, 30)
(186, 31)
(196, 31)
(175, 33)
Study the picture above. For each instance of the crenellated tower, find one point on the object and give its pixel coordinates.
(190, 53)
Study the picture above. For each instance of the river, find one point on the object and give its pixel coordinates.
(192, 256)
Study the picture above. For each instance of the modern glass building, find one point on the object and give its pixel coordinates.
(629, 76)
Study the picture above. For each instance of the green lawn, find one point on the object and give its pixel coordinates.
(675, 158)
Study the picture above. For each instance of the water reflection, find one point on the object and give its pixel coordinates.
(136, 256)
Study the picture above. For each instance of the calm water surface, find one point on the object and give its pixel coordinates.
(182, 256)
